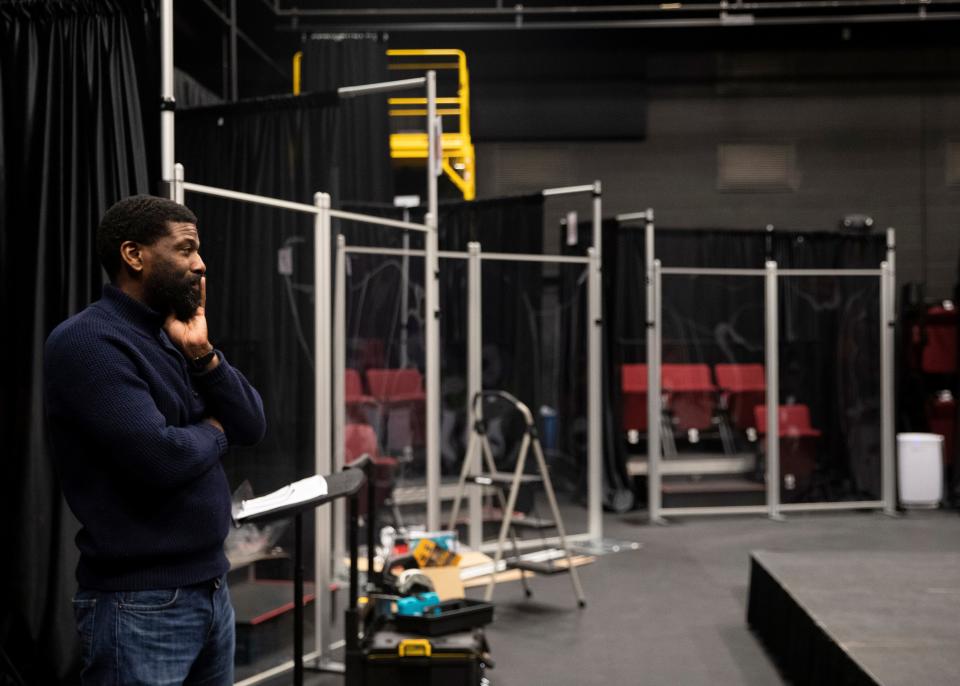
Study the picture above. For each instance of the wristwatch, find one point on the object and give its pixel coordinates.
(198, 364)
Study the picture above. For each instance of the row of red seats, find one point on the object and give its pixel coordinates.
(389, 389)
(692, 398)
(386, 386)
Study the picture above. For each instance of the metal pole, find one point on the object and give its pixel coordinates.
(322, 414)
(570, 190)
(167, 103)
(474, 379)
(298, 597)
(382, 87)
(594, 394)
(653, 376)
(654, 395)
(178, 175)
(404, 291)
(339, 396)
(887, 347)
(432, 297)
(771, 344)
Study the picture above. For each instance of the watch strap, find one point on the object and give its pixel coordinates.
(198, 364)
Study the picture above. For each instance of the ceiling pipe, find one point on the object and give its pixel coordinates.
(606, 9)
(726, 19)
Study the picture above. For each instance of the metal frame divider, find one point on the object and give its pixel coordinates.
(324, 409)
(773, 508)
(172, 177)
(592, 540)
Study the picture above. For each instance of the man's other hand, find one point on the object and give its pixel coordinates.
(216, 423)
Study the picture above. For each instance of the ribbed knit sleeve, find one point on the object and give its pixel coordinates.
(234, 402)
(92, 384)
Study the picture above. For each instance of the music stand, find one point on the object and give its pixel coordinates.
(340, 485)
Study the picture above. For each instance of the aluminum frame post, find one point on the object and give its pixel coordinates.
(432, 310)
(772, 351)
(322, 363)
(595, 369)
(888, 324)
(594, 398)
(167, 102)
(178, 179)
(404, 293)
(339, 398)
(474, 380)
(654, 398)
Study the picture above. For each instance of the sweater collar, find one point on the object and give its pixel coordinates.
(131, 310)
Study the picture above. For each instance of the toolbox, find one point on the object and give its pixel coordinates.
(393, 658)
(379, 653)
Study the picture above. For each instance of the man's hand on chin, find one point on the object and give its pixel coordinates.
(191, 336)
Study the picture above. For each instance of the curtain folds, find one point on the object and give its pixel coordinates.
(78, 110)
(361, 160)
(260, 316)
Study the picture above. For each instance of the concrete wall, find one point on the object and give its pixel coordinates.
(863, 145)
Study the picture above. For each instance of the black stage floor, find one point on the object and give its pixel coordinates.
(859, 618)
(674, 612)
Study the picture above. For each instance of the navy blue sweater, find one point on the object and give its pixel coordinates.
(140, 468)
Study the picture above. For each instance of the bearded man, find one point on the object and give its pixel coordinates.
(141, 409)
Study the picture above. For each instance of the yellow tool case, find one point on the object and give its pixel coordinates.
(391, 658)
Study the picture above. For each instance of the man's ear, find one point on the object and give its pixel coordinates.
(131, 253)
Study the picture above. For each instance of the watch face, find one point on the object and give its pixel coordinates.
(201, 362)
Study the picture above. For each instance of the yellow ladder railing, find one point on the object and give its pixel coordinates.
(459, 161)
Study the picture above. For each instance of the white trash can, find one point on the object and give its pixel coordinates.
(920, 469)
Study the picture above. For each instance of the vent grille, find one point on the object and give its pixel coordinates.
(509, 169)
(756, 167)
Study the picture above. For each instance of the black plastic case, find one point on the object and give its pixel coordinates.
(462, 614)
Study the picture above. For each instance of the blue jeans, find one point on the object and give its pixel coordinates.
(172, 636)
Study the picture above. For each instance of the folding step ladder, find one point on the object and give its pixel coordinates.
(480, 445)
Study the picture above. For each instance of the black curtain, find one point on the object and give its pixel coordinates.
(362, 157)
(259, 314)
(829, 331)
(78, 105)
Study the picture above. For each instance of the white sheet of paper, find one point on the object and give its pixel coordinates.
(296, 492)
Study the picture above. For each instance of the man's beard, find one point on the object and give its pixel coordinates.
(166, 292)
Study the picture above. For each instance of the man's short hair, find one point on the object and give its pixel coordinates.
(140, 218)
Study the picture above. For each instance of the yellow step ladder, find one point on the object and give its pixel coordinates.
(456, 145)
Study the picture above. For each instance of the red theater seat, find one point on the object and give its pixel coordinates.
(798, 441)
(360, 439)
(396, 385)
(794, 421)
(690, 395)
(401, 388)
(357, 402)
(743, 387)
(939, 354)
(633, 382)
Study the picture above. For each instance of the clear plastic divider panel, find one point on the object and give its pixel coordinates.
(829, 405)
(535, 348)
(385, 360)
(713, 379)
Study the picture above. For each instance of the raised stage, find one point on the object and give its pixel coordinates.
(858, 618)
